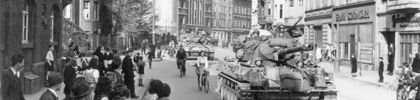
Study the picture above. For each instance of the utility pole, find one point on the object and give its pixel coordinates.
(153, 26)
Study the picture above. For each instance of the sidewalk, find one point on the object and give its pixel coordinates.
(368, 77)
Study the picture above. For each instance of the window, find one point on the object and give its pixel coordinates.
(96, 12)
(291, 3)
(52, 27)
(86, 9)
(300, 2)
(281, 11)
(269, 11)
(25, 21)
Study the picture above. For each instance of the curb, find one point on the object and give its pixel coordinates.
(384, 85)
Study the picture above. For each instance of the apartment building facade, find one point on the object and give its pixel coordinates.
(223, 19)
(398, 30)
(241, 21)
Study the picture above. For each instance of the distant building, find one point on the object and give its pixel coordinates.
(223, 19)
(83, 14)
(241, 24)
(194, 16)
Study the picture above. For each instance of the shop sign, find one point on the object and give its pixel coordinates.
(355, 15)
(407, 21)
(409, 26)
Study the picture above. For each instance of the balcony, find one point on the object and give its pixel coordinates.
(183, 11)
(398, 5)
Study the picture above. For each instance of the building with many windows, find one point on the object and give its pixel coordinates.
(194, 16)
(241, 21)
(28, 27)
(222, 19)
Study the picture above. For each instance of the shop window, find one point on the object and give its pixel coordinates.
(25, 26)
(344, 50)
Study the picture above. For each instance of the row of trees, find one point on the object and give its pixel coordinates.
(126, 16)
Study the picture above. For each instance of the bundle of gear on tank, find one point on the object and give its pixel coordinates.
(273, 52)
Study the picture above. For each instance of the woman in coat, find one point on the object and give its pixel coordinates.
(353, 65)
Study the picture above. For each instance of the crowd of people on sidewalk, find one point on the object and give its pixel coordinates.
(104, 77)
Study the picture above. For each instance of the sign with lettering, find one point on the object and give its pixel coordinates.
(407, 21)
(354, 15)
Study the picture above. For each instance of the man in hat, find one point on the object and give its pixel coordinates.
(80, 90)
(11, 88)
(53, 85)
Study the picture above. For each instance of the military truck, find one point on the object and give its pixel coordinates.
(270, 69)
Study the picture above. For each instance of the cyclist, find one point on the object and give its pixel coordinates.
(202, 64)
(181, 57)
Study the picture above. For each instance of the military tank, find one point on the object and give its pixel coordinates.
(267, 69)
(195, 44)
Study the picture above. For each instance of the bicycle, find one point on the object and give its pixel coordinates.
(403, 90)
(202, 79)
(181, 67)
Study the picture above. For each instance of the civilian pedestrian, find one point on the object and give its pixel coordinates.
(391, 60)
(381, 70)
(49, 65)
(11, 88)
(150, 58)
(54, 86)
(69, 76)
(100, 53)
(128, 71)
(140, 70)
(103, 88)
(416, 63)
(318, 53)
(353, 61)
(154, 88)
(164, 92)
(80, 90)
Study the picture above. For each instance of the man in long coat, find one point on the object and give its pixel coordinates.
(11, 88)
(128, 71)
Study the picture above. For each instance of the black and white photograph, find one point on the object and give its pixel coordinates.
(209, 50)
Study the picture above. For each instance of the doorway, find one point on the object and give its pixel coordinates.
(353, 45)
(318, 35)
